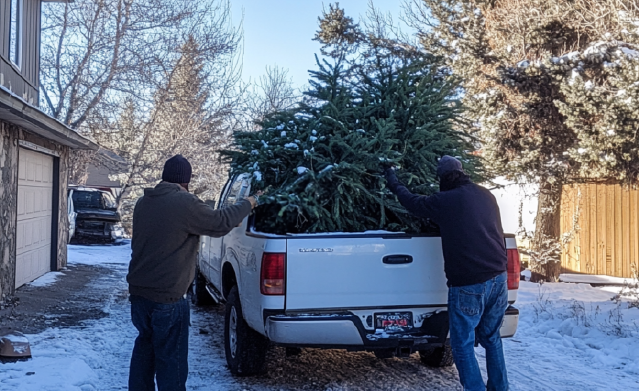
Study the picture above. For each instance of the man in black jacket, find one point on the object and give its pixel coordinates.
(167, 224)
(475, 263)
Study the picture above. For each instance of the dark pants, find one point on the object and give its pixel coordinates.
(477, 311)
(162, 346)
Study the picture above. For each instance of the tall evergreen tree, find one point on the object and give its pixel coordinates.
(321, 162)
(549, 85)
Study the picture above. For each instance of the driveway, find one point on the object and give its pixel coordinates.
(81, 337)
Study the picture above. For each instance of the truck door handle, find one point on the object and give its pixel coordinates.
(397, 259)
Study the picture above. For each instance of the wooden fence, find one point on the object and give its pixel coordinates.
(600, 229)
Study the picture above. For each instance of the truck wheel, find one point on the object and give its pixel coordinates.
(199, 294)
(437, 357)
(245, 348)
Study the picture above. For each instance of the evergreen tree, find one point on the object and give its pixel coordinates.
(550, 86)
(321, 162)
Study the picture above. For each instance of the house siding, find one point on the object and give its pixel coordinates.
(9, 143)
(23, 81)
(4, 10)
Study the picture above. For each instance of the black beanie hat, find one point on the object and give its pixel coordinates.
(177, 170)
(447, 164)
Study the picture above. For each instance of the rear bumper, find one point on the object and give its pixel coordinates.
(299, 331)
(510, 322)
(347, 331)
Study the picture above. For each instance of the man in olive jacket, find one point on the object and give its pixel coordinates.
(167, 223)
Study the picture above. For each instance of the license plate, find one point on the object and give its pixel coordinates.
(393, 320)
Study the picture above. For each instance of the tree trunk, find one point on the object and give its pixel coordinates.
(546, 245)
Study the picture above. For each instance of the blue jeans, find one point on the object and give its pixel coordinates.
(161, 348)
(477, 311)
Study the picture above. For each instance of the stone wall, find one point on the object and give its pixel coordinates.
(8, 207)
(9, 143)
(63, 226)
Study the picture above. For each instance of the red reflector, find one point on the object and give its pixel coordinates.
(272, 274)
(514, 269)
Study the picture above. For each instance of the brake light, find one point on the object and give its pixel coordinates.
(272, 274)
(514, 269)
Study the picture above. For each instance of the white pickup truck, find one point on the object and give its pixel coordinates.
(379, 291)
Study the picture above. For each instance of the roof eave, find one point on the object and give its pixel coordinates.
(17, 111)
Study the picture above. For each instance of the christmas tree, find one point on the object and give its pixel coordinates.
(321, 164)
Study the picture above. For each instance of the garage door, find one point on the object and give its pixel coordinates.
(35, 195)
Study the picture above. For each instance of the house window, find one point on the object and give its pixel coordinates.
(15, 33)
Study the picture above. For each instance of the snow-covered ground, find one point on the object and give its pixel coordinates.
(570, 337)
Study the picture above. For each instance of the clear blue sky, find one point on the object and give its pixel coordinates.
(280, 32)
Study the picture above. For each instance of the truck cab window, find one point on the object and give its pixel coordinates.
(239, 190)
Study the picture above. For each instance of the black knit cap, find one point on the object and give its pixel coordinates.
(447, 164)
(177, 170)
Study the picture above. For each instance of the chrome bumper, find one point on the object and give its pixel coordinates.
(312, 332)
(340, 330)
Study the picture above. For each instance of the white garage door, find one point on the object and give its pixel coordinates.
(35, 195)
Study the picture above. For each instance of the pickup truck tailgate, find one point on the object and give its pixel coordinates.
(364, 272)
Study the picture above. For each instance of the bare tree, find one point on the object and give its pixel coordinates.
(97, 53)
(93, 51)
(184, 119)
(273, 92)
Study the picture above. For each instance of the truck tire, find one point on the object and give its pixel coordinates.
(437, 357)
(245, 348)
(199, 295)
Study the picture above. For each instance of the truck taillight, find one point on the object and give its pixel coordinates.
(272, 275)
(513, 269)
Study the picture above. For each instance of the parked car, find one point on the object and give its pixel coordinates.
(378, 291)
(96, 217)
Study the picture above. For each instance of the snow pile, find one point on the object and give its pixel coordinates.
(595, 279)
(46, 279)
(63, 359)
(582, 322)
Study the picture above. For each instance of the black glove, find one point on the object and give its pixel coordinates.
(391, 178)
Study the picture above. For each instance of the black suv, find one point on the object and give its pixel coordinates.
(97, 219)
